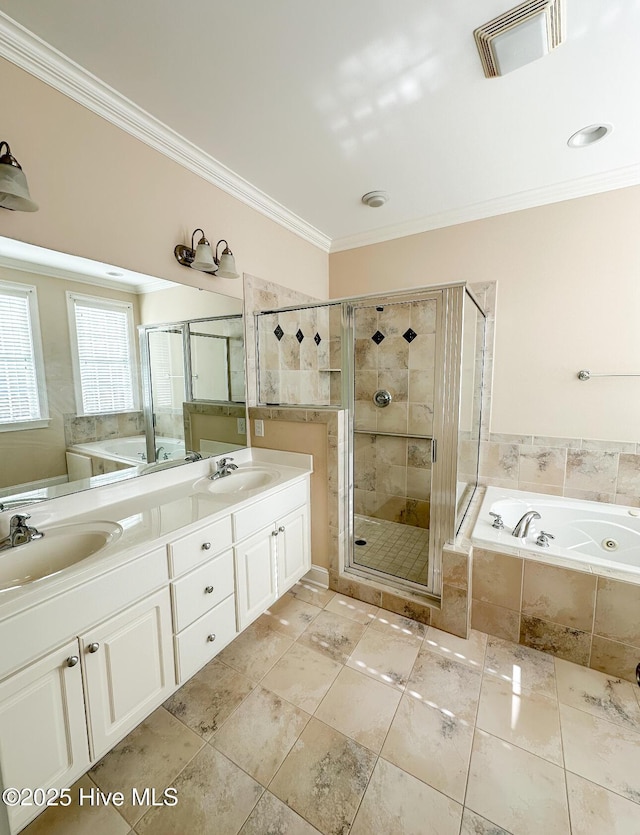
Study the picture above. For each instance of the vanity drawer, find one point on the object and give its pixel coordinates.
(267, 511)
(202, 589)
(194, 647)
(196, 548)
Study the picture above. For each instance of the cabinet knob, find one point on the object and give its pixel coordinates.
(93, 647)
(206, 546)
(211, 638)
(274, 533)
(209, 589)
(72, 660)
(281, 529)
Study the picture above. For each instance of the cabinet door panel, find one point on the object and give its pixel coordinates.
(255, 576)
(43, 731)
(131, 671)
(294, 552)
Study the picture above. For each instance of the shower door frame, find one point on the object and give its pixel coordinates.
(444, 443)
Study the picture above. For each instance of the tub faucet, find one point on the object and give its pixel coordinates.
(522, 528)
(19, 532)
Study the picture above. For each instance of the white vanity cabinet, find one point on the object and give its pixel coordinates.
(43, 733)
(129, 670)
(86, 663)
(273, 557)
(204, 609)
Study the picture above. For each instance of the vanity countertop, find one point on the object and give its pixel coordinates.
(150, 511)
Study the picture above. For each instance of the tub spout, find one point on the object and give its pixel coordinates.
(522, 528)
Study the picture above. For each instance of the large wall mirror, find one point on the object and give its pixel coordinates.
(107, 375)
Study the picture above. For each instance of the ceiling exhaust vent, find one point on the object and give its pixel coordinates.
(519, 36)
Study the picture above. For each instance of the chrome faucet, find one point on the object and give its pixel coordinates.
(224, 467)
(19, 532)
(193, 456)
(522, 528)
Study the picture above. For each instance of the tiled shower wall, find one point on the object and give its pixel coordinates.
(299, 358)
(394, 351)
(263, 295)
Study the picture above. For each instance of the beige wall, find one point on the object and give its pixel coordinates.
(568, 298)
(176, 304)
(108, 196)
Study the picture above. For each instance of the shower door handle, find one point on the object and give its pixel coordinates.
(434, 450)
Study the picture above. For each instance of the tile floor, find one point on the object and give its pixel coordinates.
(400, 550)
(329, 715)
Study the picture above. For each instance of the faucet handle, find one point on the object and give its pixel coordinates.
(19, 519)
(498, 522)
(543, 539)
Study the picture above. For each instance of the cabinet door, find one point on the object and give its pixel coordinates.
(43, 729)
(129, 669)
(255, 560)
(294, 550)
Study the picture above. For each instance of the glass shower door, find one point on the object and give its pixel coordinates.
(395, 357)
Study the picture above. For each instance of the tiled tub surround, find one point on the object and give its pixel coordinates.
(582, 612)
(594, 470)
(328, 716)
(84, 429)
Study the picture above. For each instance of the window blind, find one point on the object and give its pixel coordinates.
(104, 356)
(19, 398)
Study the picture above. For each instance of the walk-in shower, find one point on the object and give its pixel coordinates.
(408, 368)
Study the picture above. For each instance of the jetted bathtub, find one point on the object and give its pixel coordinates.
(587, 534)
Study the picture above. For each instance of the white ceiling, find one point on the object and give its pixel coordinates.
(315, 104)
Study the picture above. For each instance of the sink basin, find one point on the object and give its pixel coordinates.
(60, 548)
(242, 480)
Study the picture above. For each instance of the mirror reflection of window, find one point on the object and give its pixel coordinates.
(103, 354)
(23, 399)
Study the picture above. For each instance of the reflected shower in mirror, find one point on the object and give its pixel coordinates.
(71, 379)
(194, 387)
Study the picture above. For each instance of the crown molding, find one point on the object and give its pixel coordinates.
(29, 52)
(569, 190)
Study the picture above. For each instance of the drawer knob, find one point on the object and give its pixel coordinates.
(209, 590)
(281, 529)
(274, 533)
(206, 546)
(72, 660)
(211, 638)
(93, 647)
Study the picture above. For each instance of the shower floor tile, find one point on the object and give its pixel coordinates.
(339, 748)
(400, 550)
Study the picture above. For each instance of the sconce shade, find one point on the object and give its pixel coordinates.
(226, 263)
(14, 191)
(204, 258)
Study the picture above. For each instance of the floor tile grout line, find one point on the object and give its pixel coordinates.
(475, 723)
(604, 788)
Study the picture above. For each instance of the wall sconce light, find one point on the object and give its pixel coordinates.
(202, 257)
(14, 191)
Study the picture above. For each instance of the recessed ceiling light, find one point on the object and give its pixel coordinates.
(587, 136)
(114, 273)
(375, 199)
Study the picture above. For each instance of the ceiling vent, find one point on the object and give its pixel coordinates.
(519, 36)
